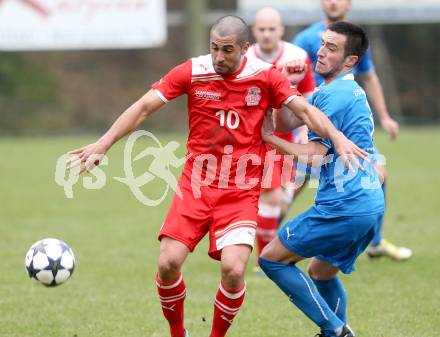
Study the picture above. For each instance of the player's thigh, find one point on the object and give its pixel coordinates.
(356, 232)
(234, 220)
(314, 233)
(188, 218)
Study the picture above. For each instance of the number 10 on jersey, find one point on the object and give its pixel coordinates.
(231, 118)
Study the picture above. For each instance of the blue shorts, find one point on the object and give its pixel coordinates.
(337, 239)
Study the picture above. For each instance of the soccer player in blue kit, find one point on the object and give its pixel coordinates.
(348, 205)
(310, 40)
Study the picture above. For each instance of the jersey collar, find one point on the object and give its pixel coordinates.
(234, 75)
(274, 58)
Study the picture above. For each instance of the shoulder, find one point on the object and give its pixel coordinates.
(293, 52)
(202, 65)
(251, 54)
(311, 30)
(345, 90)
(340, 92)
(253, 67)
(251, 50)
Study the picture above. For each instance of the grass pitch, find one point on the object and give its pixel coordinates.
(112, 292)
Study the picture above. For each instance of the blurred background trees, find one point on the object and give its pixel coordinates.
(84, 91)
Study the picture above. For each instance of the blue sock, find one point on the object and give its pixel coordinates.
(378, 236)
(333, 292)
(301, 292)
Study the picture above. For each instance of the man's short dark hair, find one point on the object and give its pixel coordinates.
(231, 24)
(357, 40)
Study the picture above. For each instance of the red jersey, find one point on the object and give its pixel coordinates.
(285, 53)
(226, 114)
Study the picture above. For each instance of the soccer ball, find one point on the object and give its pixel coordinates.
(50, 261)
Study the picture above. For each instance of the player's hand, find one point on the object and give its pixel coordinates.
(349, 152)
(268, 128)
(390, 126)
(295, 71)
(86, 157)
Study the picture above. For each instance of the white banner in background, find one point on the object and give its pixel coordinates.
(81, 24)
(297, 12)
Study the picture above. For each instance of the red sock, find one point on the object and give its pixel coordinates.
(226, 306)
(172, 295)
(268, 217)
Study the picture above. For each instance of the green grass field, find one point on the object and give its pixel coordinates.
(112, 292)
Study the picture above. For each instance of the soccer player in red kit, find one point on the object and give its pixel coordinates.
(268, 31)
(228, 97)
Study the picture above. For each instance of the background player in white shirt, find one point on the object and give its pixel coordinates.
(268, 31)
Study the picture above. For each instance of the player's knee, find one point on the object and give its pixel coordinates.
(169, 266)
(313, 273)
(233, 274)
(321, 274)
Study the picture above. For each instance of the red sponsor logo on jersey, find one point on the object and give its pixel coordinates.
(34, 5)
(253, 97)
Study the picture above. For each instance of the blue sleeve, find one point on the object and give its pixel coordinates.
(301, 41)
(313, 137)
(366, 64)
(333, 105)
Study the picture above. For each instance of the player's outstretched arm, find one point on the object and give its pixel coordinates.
(319, 123)
(286, 120)
(373, 88)
(90, 155)
(310, 150)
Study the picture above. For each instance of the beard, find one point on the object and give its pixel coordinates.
(222, 70)
(329, 74)
(335, 18)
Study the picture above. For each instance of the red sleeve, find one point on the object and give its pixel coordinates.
(307, 85)
(280, 88)
(175, 83)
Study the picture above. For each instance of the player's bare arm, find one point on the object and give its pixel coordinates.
(311, 149)
(318, 122)
(90, 155)
(285, 119)
(371, 83)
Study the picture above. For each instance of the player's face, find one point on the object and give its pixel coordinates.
(227, 54)
(331, 55)
(268, 33)
(336, 10)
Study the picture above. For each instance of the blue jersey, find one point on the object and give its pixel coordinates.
(310, 40)
(341, 192)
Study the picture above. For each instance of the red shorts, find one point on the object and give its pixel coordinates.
(229, 216)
